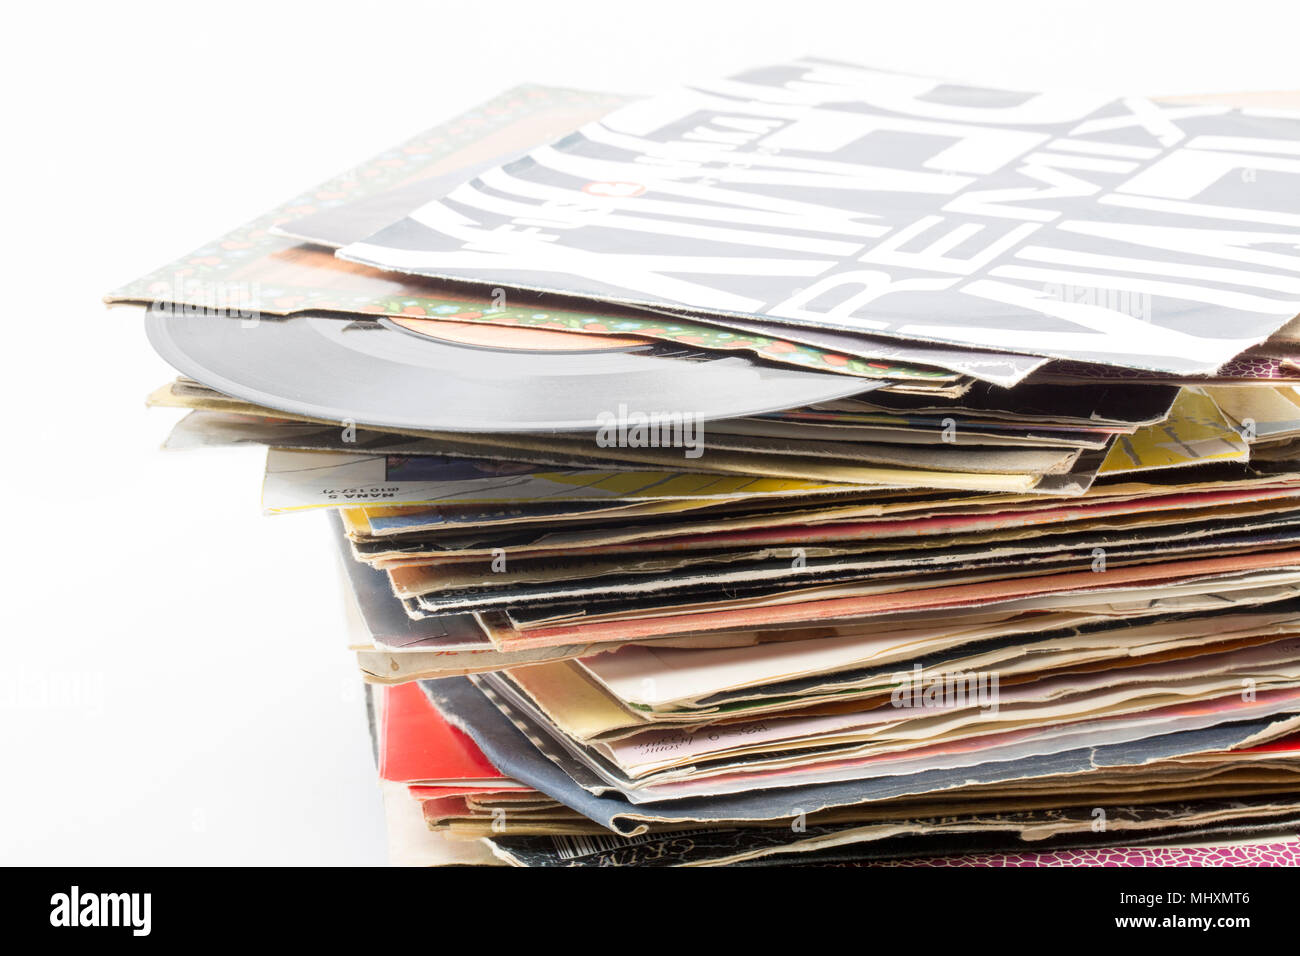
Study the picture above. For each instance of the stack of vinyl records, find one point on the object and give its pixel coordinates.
(814, 466)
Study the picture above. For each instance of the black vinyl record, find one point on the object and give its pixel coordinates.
(383, 372)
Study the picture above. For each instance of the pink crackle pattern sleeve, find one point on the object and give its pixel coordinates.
(1255, 854)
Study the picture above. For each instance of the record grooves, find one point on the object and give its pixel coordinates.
(374, 372)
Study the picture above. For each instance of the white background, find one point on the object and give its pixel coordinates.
(139, 585)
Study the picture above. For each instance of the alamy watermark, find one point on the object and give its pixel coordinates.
(1136, 305)
(57, 690)
(127, 910)
(632, 429)
(182, 296)
(921, 691)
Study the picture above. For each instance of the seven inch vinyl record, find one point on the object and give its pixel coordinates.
(417, 373)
